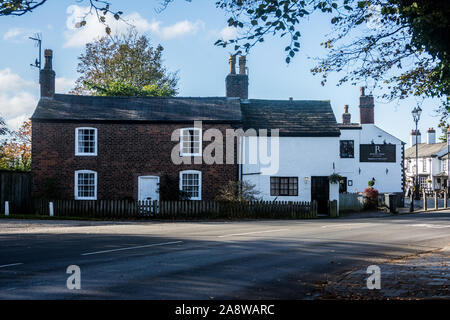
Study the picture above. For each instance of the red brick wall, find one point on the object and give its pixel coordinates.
(125, 151)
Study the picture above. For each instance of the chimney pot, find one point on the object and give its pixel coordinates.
(362, 90)
(232, 62)
(346, 117)
(242, 63)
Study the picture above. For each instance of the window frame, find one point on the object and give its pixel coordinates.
(279, 187)
(77, 152)
(340, 149)
(200, 148)
(77, 197)
(199, 182)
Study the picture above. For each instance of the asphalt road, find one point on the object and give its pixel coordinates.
(203, 260)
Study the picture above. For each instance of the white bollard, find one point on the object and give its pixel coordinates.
(50, 208)
(6, 208)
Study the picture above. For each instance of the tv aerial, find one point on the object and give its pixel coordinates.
(38, 43)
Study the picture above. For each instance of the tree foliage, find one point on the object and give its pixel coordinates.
(398, 45)
(124, 65)
(238, 191)
(20, 7)
(15, 151)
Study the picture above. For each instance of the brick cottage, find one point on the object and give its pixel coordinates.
(92, 147)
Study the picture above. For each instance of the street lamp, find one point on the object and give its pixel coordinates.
(417, 111)
(448, 159)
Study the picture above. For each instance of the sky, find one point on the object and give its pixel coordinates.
(187, 31)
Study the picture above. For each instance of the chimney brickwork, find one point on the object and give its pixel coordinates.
(431, 136)
(47, 76)
(346, 117)
(412, 137)
(366, 108)
(237, 84)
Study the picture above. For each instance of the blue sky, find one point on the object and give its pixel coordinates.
(187, 31)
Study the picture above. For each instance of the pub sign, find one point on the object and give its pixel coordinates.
(377, 153)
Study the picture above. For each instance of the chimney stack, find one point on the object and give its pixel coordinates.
(431, 136)
(47, 76)
(346, 117)
(366, 108)
(236, 85)
(412, 137)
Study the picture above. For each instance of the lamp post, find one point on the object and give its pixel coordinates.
(417, 111)
(448, 159)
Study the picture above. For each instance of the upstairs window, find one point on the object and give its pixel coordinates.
(191, 184)
(85, 185)
(283, 186)
(85, 141)
(191, 142)
(347, 149)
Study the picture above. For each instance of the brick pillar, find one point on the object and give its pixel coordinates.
(366, 108)
(47, 76)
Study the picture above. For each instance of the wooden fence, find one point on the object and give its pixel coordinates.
(351, 202)
(121, 209)
(15, 187)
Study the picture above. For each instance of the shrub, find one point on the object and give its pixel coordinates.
(236, 191)
(370, 198)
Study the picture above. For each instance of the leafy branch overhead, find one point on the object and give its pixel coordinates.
(398, 45)
(20, 7)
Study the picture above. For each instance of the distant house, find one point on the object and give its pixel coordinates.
(433, 162)
(92, 147)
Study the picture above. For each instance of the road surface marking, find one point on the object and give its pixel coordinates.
(255, 232)
(11, 265)
(432, 226)
(131, 248)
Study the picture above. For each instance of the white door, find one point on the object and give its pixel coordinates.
(148, 188)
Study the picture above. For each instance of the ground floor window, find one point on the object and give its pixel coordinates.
(423, 182)
(191, 184)
(85, 185)
(284, 186)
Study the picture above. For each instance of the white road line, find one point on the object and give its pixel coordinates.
(131, 248)
(11, 265)
(432, 226)
(255, 232)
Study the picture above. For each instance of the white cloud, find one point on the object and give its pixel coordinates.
(180, 29)
(228, 33)
(16, 34)
(76, 37)
(64, 85)
(19, 97)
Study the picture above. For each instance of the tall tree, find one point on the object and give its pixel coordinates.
(15, 151)
(126, 64)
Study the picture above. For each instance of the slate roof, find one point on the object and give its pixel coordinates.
(425, 150)
(293, 118)
(349, 126)
(136, 109)
(301, 118)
